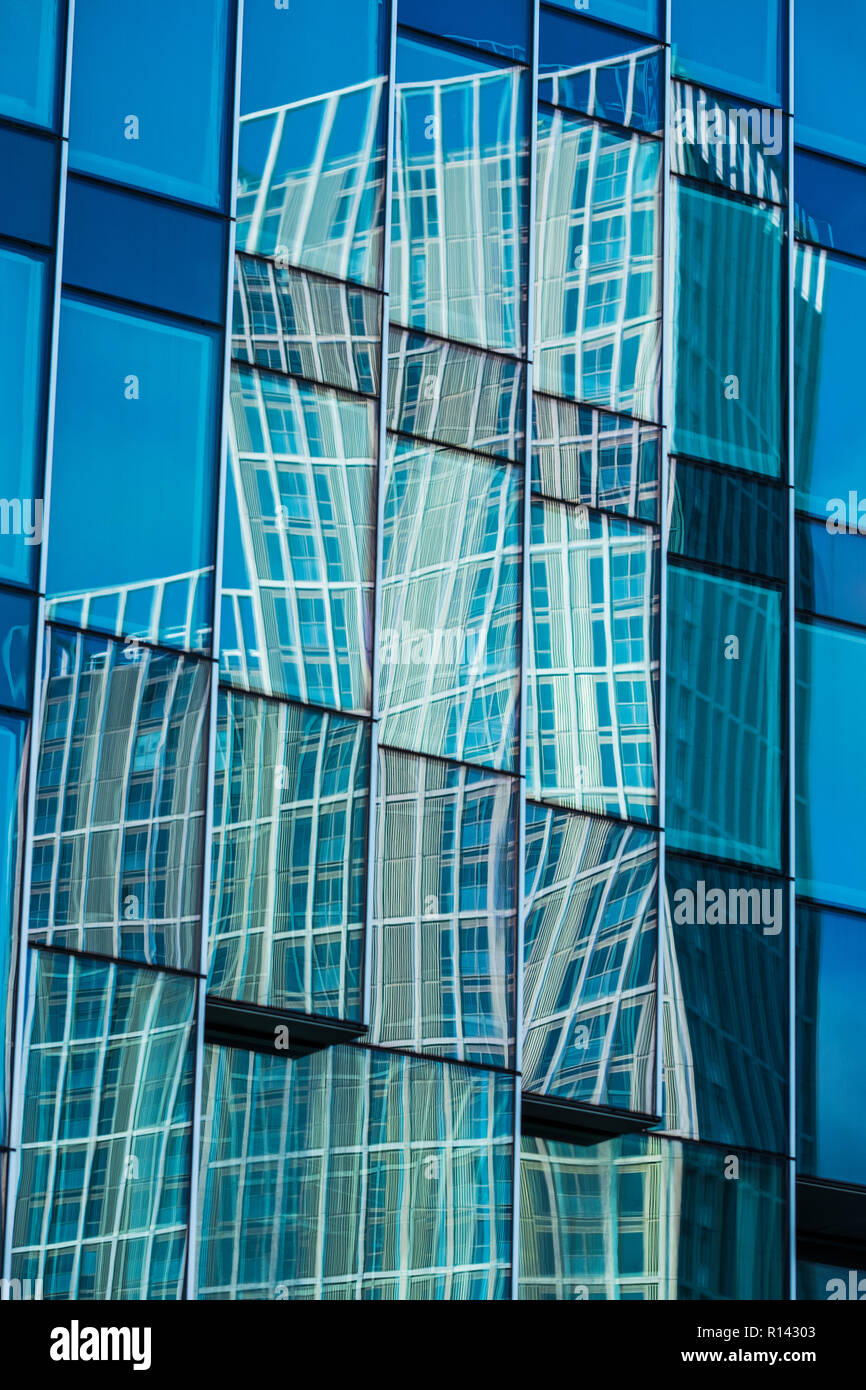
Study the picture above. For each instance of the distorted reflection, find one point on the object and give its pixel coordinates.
(601, 72)
(741, 147)
(442, 970)
(592, 457)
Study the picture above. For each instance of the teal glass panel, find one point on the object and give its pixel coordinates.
(598, 267)
(603, 72)
(461, 169)
(456, 395)
(595, 458)
(451, 595)
(593, 663)
(831, 572)
(299, 541)
(726, 1005)
(30, 164)
(135, 463)
(718, 140)
(724, 745)
(831, 792)
(12, 735)
(29, 39)
(648, 1218)
(505, 29)
(289, 857)
(23, 294)
(830, 206)
(831, 1282)
(728, 355)
(442, 966)
(725, 518)
(149, 95)
(17, 635)
(103, 1195)
(120, 798)
(643, 15)
(830, 309)
(831, 978)
(295, 322)
(745, 54)
(589, 991)
(311, 158)
(829, 41)
(352, 1174)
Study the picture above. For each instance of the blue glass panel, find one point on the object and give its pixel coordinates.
(744, 55)
(829, 41)
(598, 287)
(289, 857)
(593, 662)
(137, 248)
(17, 632)
(149, 95)
(311, 163)
(831, 572)
(503, 27)
(589, 993)
(741, 148)
(831, 980)
(460, 182)
(293, 321)
(725, 518)
(451, 592)
(724, 743)
(28, 59)
(12, 734)
(120, 792)
(601, 71)
(831, 202)
(23, 295)
(830, 308)
(648, 1218)
(644, 15)
(442, 967)
(728, 354)
(456, 395)
(103, 1194)
(831, 791)
(299, 541)
(726, 1005)
(352, 1174)
(821, 1281)
(135, 464)
(593, 457)
(30, 164)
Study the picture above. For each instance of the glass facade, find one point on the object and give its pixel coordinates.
(432, 643)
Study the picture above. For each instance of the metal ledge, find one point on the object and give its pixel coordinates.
(256, 1029)
(575, 1122)
(830, 1212)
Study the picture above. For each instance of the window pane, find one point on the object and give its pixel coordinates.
(289, 857)
(642, 15)
(311, 161)
(299, 558)
(726, 1005)
(598, 283)
(725, 519)
(30, 164)
(120, 799)
(458, 256)
(831, 202)
(830, 307)
(445, 910)
(593, 663)
(137, 248)
(104, 1186)
(831, 975)
(456, 395)
(23, 293)
(351, 1174)
(28, 60)
(135, 460)
(724, 747)
(642, 1217)
(742, 148)
(505, 29)
(831, 572)
(149, 88)
(292, 321)
(744, 55)
(608, 74)
(728, 354)
(12, 735)
(589, 960)
(831, 793)
(829, 41)
(17, 631)
(596, 458)
(450, 642)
